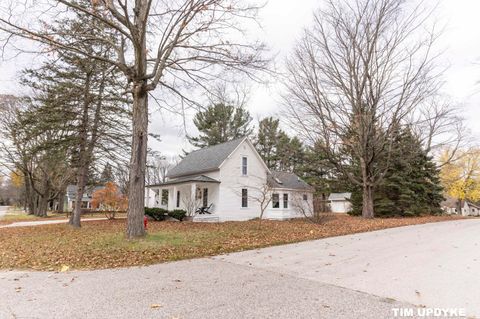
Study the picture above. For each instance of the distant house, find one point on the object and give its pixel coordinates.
(70, 196)
(231, 179)
(340, 202)
(451, 206)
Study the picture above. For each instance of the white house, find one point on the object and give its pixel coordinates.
(451, 206)
(340, 202)
(71, 194)
(233, 179)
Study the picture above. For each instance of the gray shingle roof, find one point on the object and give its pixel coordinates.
(205, 159)
(188, 179)
(339, 196)
(288, 180)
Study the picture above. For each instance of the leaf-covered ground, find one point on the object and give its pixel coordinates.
(102, 244)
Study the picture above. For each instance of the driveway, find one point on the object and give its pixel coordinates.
(357, 276)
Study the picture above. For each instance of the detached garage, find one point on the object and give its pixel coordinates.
(340, 202)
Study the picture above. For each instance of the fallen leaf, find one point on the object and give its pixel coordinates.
(64, 268)
(155, 306)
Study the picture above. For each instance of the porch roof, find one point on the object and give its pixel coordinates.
(188, 179)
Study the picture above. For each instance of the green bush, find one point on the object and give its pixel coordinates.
(157, 214)
(178, 214)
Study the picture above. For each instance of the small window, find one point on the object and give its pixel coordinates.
(285, 200)
(305, 197)
(276, 201)
(244, 166)
(244, 197)
(178, 199)
(164, 197)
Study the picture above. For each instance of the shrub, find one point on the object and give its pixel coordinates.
(157, 214)
(178, 214)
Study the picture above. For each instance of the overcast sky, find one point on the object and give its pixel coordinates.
(283, 21)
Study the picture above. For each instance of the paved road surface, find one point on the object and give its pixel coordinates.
(357, 276)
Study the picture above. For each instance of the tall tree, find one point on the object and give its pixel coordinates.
(278, 150)
(461, 178)
(411, 186)
(267, 140)
(171, 44)
(87, 95)
(221, 123)
(355, 78)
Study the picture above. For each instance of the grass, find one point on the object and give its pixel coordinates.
(101, 244)
(15, 214)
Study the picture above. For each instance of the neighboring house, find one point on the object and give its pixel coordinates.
(451, 206)
(71, 195)
(340, 202)
(233, 178)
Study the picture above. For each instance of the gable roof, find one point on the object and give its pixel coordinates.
(205, 160)
(449, 202)
(87, 194)
(288, 180)
(339, 196)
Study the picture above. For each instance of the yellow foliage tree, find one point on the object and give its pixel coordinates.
(16, 178)
(461, 179)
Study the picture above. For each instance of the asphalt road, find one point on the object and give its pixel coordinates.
(357, 276)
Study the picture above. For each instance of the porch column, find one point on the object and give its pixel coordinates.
(193, 193)
(174, 201)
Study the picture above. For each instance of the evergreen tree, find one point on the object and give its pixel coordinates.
(219, 123)
(412, 185)
(267, 140)
(278, 150)
(107, 175)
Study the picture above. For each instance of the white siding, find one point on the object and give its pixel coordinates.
(340, 206)
(296, 207)
(232, 182)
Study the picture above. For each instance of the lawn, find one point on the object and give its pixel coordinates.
(19, 215)
(102, 244)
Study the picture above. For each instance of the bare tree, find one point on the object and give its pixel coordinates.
(191, 204)
(355, 78)
(438, 125)
(307, 209)
(169, 44)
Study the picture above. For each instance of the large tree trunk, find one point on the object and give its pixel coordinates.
(77, 210)
(42, 206)
(61, 202)
(136, 196)
(83, 162)
(29, 197)
(367, 204)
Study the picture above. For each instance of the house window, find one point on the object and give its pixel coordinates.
(244, 166)
(305, 197)
(178, 199)
(205, 197)
(276, 201)
(285, 200)
(244, 197)
(164, 197)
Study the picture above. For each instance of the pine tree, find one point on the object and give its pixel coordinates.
(267, 140)
(278, 150)
(412, 185)
(107, 175)
(219, 123)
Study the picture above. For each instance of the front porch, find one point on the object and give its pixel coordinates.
(187, 194)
